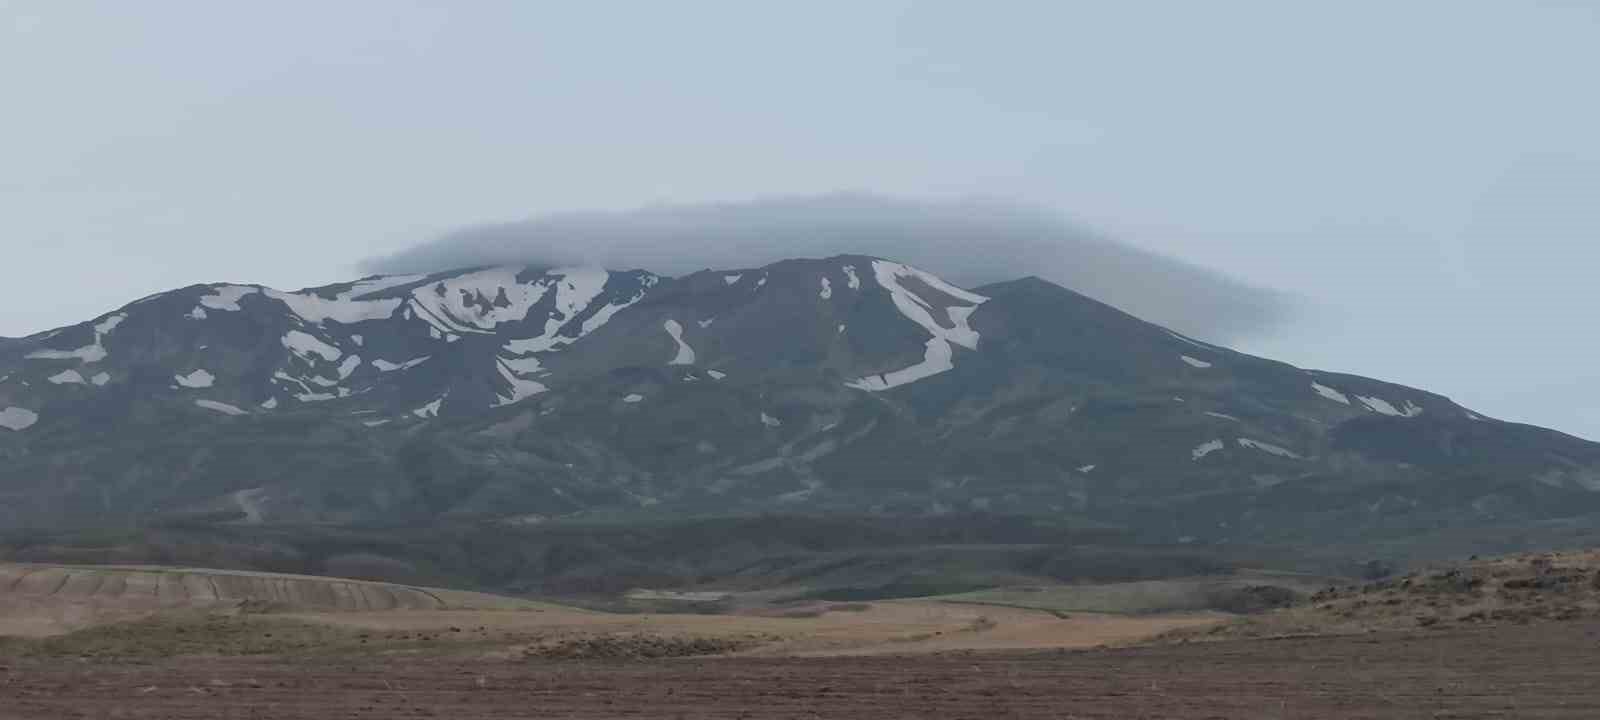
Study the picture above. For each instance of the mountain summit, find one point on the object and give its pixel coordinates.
(848, 384)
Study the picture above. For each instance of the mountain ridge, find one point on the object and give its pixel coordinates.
(841, 384)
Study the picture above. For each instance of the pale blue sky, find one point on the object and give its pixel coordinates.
(1424, 172)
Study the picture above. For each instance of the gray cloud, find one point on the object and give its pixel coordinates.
(970, 242)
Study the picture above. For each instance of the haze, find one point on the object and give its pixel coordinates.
(1401, 190)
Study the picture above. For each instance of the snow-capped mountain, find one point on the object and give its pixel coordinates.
(846, 384)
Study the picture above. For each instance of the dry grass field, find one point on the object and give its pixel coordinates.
(1502, 638)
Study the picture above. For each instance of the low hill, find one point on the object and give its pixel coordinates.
(48, 599)
(1512, 589)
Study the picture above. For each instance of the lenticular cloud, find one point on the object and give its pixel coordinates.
(969, 242)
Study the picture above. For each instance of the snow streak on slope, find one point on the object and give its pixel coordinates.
(1268, 448)
(685, 354)
(939, 354)
(430, 410)
(349, 366)
(1205, 448)
(220, 407)
(604, 315)
(1330, 393)
(386, 366)
(1384, 407)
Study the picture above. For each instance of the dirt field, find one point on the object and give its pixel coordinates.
(902, 626)
(1506, 644)
(1535, 671)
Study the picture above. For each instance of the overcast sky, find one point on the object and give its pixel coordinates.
(1425, 175)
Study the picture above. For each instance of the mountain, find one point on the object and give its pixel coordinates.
(850, 384)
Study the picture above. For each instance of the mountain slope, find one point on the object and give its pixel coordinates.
(845, 384)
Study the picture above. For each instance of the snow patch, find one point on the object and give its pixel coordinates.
(685, 354)
(359, 340)
(1268, 448)
(707, 322)
(1087, 469)
(220, 407)
(304, 344)
(91, 353)
(66, 377)
(18, 419)
(100, 379)
(1222, 416)
(1205, 448)
(852, 279)
(716, 374)
(375, 423)
(349, 366)
(770, 421)
(938, 355)
(226, 297)
(1330, 393)
(110, 323)
(198, 379)
(1195, 362)
(523, 366)
(827, 289)
(198, 313)
(270, 404)
(1384, 407)
(731, 279)
(430, 410)
(632, 398)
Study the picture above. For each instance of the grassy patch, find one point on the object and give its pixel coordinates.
(185, 634)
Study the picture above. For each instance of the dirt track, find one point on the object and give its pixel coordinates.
(901, 626)
(1538, 671)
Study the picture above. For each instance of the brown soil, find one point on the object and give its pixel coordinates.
(1537, 671)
